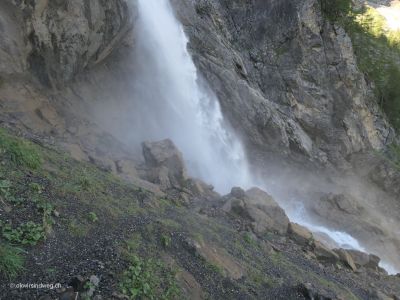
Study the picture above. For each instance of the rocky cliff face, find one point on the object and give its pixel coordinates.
(56, 40)
(287, 79)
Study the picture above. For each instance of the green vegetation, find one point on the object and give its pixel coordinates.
(133, 244)
(260, 279)
(5, 190)
(170, 224)
(28, 233)
(149, 279)
(377, 49)
(20, 152)
(247, 237)
(11, 260)
(166, 240)
(214, 268)
(93, 217)
(35, 187)
(76, 193)
(77, 229)
(336, 9)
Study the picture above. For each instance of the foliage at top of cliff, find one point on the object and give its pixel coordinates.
(377, 48)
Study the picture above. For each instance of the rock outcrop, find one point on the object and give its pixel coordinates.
(362, 259)
(300, 234)
(56, 40)
(257, 208)
(165, 163)
(286, 78)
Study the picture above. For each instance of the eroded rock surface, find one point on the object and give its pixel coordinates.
(258, 208)
(166, 164)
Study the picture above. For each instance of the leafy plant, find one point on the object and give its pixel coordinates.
(149, 279)
(4, 187)
(29, 233)
(5, 192)
(93, 217)
(35, 187)
(11, 260)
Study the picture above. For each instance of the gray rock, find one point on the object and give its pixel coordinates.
(310, 291)
(258, 208)
(166, 164)
(373, 262)
(323, 253)
(64, 37)
(300, 234)
(361, 259)
(286, 78)
(346, 258)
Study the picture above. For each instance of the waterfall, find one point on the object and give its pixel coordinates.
(174, 104)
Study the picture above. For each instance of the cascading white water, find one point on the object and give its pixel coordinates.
(174, 105)
(298, 214)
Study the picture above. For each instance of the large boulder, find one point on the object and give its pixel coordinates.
(323, 253)
(346, 258)
(362, 259)
(300, 234)
(258, 208)
(165, 164)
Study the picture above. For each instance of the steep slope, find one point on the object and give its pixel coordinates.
(88, 235)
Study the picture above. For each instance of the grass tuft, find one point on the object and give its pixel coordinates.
(20, 152)
(11, 261)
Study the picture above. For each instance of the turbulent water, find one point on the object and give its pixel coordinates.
(175, 105)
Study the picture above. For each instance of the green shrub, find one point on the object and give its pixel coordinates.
(336, 9)
(6, 194)
(149, 279)
(11, 260)
(391, 96)
(249, 239)
(377, 50)
(20, 152)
